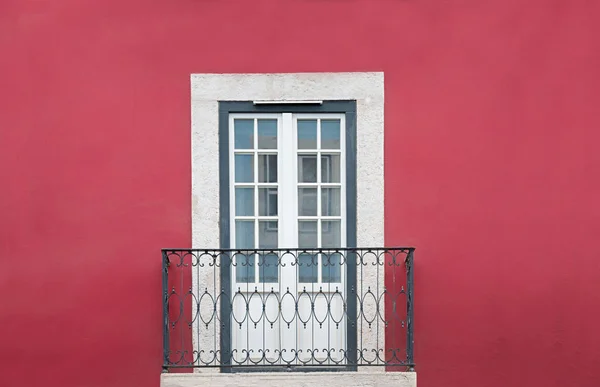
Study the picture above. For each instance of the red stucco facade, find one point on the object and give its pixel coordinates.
(491, 172)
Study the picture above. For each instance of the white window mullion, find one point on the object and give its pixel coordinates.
(280, 184)
(256, 228)
(288, 187)
(343, 180)
(288, 225)
(288, 209)
(319, 204)
(292, 129)
(232, 190)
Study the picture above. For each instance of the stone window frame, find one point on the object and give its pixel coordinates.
(207, 90)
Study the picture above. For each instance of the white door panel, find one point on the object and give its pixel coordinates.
(287, 183)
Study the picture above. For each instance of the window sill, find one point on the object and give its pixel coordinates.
(372, 378)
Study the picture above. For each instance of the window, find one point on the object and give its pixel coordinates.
(286, 173)
(288, 186)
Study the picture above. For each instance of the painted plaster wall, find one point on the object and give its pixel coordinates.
(491, 172)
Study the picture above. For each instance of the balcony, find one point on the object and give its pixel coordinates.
(268, 310)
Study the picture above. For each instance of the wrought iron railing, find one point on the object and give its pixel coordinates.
(288, 309)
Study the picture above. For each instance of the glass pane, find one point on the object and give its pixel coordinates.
(267, 134)
(307, 168)
(331, 234)
(330, 201)
(332, 268)
(307, 134)
(267, 234)
(307, 201)
(244, 234)
(307, 263)
(268, 268)
(244, 201)
(330, 134)
(244, 168)
(243, 134)
(267, 168)
(244, 268)
(267, 201)
(307, 234)
(244, 239)
(330, 168)
(308, 268)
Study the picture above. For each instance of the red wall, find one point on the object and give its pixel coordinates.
(492, 172)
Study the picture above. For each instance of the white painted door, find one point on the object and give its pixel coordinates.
(287, 182)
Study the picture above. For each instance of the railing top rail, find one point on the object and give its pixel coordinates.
(283, 249)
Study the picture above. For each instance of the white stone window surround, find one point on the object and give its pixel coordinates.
(366, 88)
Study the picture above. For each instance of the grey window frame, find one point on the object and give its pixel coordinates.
(346, 107)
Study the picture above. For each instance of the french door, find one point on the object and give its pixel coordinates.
(287, 190)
